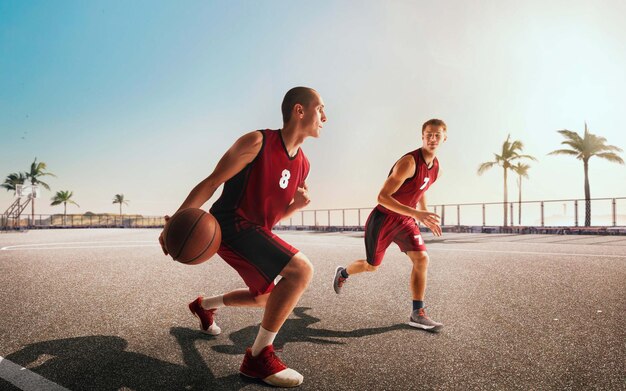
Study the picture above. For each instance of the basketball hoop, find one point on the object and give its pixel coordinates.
(30, 191)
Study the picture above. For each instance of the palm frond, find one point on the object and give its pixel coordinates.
(485, 166)
(516, 145)
(38, 170)
(526, 157)
(119, 199)
(593, 137)
(38, 182)
(589, 145)
(575, 146)
(573, 136)
(610, 156)
(565, 152)
(610, 148)
(63, 196)
(521, 169)
(12, 180)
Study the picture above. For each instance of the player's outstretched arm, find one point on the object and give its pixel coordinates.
(243, 151)
(240, 154)
(403, 170)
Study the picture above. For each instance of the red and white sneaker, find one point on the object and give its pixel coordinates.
(420, 320)
(338, 280)
(207, 321)
(269, 368)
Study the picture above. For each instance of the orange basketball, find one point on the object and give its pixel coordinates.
(192, 236)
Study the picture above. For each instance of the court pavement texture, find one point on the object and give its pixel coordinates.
(104, 309)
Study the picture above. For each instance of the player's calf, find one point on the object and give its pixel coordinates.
(370, 268)
(341, 274)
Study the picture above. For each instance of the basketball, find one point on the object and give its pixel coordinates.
(192, 236)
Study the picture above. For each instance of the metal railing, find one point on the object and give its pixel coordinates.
(545, 213)
(80, 221)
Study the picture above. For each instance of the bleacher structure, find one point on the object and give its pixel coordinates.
(11, 217)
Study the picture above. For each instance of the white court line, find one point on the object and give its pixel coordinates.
(77, 247)
(25, 379)
(40, 245)
(100, 241)
(153, 244)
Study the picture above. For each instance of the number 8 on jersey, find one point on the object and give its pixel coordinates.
(284, 179)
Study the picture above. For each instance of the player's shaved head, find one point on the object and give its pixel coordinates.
(296, 95)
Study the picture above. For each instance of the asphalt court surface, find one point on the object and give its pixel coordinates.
(103, 309)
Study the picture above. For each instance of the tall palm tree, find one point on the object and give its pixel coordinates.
(583, 148)
(37, 170)
(119, 199)
(63, 197)
(510, 152)
(521, 169)
(12, 180)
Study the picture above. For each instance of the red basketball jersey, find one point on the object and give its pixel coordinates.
(413, 188)
(262, 191)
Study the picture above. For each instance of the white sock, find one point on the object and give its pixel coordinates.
(263, 338)
(212, 302)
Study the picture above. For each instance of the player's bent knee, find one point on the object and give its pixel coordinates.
(371, 268)
(261, 300)
(420, 259)
(299, 267)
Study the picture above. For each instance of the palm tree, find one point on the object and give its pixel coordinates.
(521, 169)
(510, 152)
(37, 170)
(12, 180)
(583, 148)
(119, 199)
(63, 197)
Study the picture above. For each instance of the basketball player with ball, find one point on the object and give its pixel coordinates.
(395, 218)
(264, 175)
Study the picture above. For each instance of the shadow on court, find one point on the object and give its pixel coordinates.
(103, 363)
(298, 330)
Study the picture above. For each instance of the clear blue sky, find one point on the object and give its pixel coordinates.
(143, 97)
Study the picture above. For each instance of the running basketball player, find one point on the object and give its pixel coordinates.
(394, 220)
(264, 175)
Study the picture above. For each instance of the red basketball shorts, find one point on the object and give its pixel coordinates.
(381, 229)
(257, 254)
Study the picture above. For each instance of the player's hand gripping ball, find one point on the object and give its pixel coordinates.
(192, 236)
